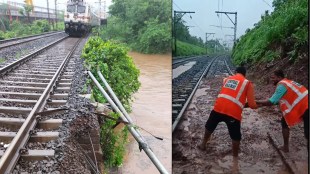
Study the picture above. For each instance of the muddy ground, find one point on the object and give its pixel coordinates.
(257, 155)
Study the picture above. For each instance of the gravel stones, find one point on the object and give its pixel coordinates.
(13, 53)
(76, 121)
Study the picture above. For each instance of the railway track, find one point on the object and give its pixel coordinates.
(31, 88)
(16, 41)
(178, 61)
(186, 84)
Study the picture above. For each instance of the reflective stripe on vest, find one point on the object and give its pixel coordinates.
(236, 100)
(296, 101)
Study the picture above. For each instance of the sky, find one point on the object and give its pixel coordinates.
(60, 3)
(248, 13)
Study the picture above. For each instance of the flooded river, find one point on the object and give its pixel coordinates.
(151, 110)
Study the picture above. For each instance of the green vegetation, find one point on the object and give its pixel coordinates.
(26, 11)
(283, 33)
(192, 45)
(113, 143)
(187, 49)
(18, 29)
(120, 72)
(115, 65)
(2, 60)
(144, 25)
(24, 26)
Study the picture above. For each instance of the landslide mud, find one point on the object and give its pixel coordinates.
(256, 155)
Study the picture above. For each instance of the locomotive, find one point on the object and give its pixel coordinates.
(79, 18)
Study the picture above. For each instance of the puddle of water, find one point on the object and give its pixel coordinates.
(201, 91)
(181, 69)
(151, 110)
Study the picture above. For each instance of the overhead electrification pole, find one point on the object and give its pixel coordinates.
(99, 14)
(222, 26)
(207, 35)
(235, 23)
(174, 27)
(56, 12)
(48, 12)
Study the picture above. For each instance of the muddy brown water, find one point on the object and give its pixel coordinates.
(151, 109)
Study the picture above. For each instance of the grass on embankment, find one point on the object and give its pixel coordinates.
(186, 49)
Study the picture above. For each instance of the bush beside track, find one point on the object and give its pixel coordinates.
(186, 49)
(122, 75)
(18, 29)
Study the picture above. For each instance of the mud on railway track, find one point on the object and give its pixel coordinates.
(257, 154)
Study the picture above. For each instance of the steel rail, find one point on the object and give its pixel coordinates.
(176, 61)
(28, 40)
(21, 61)
(142, 144)
(25, 37)
(228, 68)
(177, 120)
(12, 154)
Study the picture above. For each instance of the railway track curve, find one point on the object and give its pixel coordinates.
(185, 86)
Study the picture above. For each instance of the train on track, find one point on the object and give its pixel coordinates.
(79, 18)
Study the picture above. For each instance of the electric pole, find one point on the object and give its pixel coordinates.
(48, 12)
(56, 12)
(207, 35)
(235, 23)
(99, 15)
(174, 28)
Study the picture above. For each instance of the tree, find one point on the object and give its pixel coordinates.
(27, 9)
(131, 19)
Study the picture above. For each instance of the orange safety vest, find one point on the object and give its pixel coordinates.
(294, 102)
(232, 96)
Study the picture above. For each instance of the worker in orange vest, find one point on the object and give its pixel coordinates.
(293, 101)
(228, 107)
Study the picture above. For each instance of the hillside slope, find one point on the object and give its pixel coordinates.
(278, 41)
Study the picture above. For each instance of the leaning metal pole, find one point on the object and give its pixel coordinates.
(118, 103)
(142, 144)
(115, 98)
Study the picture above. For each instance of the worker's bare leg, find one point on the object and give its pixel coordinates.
(286, 136)
(306, 126)
(235, 147)
(206, 137)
